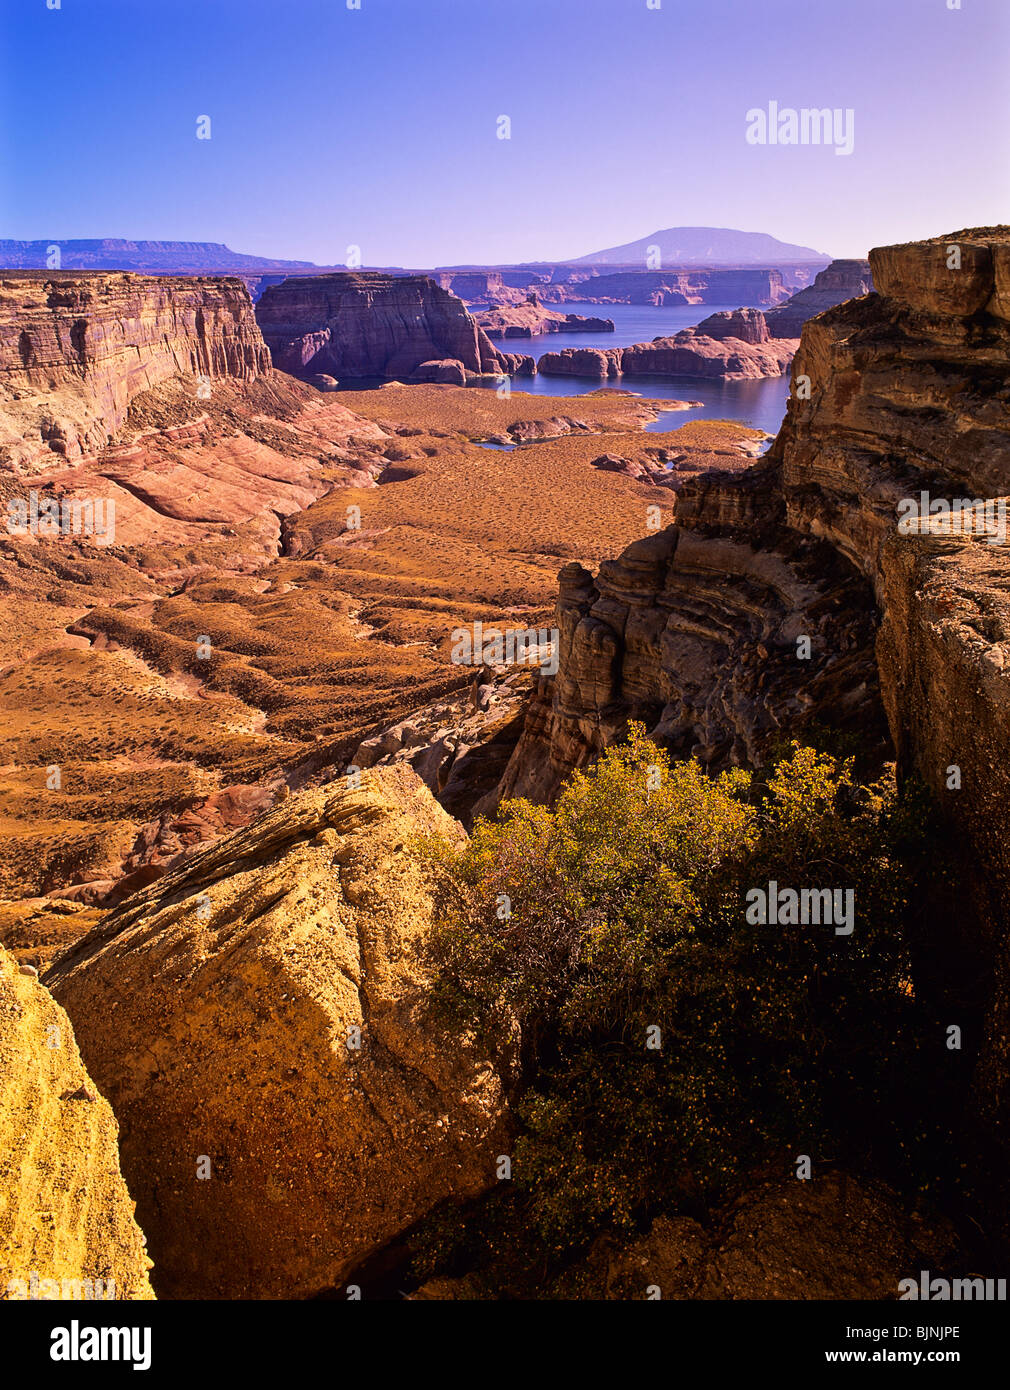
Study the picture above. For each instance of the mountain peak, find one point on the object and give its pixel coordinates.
(703, 246)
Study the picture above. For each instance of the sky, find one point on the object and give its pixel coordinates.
(378, 127)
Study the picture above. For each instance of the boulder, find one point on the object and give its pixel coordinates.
(66, 1218)
(257, 1021)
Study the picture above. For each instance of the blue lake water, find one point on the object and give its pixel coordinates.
(761, 404)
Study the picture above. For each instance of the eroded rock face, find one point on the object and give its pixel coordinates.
(367, 324)
(696, 633)
(218, 1010)
(841, 280)
(65, 1213)
(76, 349)
(691, 630)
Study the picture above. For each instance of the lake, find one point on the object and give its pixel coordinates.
(761, 404)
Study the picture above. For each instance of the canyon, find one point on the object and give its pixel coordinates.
(730, 346)
(204, 869)
(744, 344)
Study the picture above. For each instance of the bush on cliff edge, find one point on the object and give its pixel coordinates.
(659, 1043)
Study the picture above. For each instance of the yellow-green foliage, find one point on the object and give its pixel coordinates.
(566, 935)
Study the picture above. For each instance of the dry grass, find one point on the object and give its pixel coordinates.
(313, 649)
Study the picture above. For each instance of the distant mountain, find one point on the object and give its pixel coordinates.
(159, 257)
(704, 246)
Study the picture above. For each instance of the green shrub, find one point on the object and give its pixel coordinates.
(567, 937)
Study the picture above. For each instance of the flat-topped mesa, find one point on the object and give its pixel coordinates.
(746, 325)
(75, 349)
(840, 281)
(731, 346)
(531, 319)
(361, 324)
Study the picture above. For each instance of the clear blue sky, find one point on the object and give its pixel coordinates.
(378, 126)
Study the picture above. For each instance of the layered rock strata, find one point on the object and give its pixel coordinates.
(76, 350)
(531, 320)
(729, 345)
(841, 280)
(694, 630)
(364, 324)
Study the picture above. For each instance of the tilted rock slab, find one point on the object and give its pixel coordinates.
(218, 1010)
(66, 1218)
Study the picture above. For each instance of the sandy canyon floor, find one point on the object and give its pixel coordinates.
(249, 627)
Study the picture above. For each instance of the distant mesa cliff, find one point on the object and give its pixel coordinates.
(840, 281)
(670, 287)
(75, 350)
(731, 346)
(115, 253)
(363, 324)
(694, 630)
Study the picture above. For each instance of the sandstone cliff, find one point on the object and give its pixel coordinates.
(76, 349)
(841, 280)
(530, 319)
(253, 1018)
(665, 287)
(65, 1213)
(695, 630)
(368, 324)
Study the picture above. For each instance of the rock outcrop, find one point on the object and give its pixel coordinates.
(832, 1238)
(75, 350)
(841, 280)
(255, 1020)
(695, 630)
(730, 345)
(531, 320)
(368, 324)
(67, 1229)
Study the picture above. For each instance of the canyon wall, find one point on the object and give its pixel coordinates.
(695, 630)
(366, 324)
(669, 286)
(76, 349)
(841, 280)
